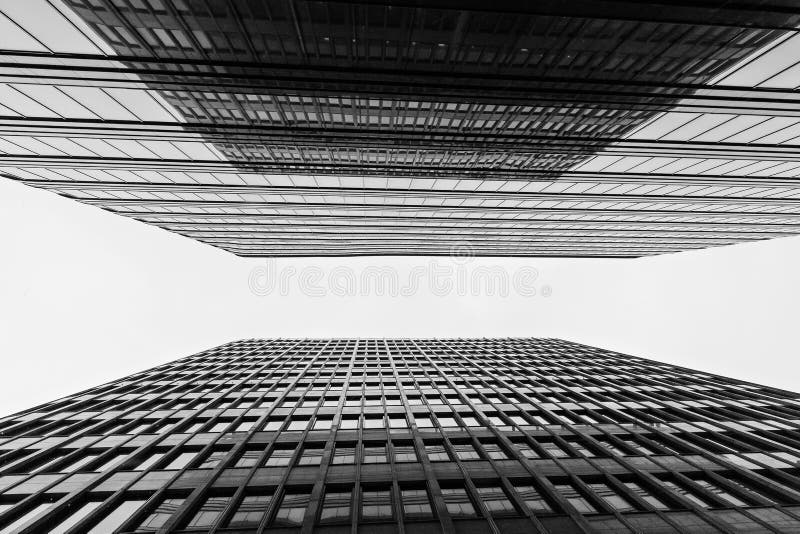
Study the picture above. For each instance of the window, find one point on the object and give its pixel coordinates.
(250, 511)
(349, 423)
(111, 461)
(27, 516)
(497, 421)
(116, 517)
(73, 519)
(532, 498)
(466, 451)
(611, 498)
(527, 451)
(273, 424)
(638, 447)
(582, 449)
(553, 449)
(458, 502)
(646, 496)
(151, 460)
(160, 515)
(140, 427)
(298, 424)
(213, 459)
(311, 455)
(344, 454)
(336, 505)
(612, 447)
(323, 423)
(280, 457)
(220, 426)
(423, 421)
(245, 425)
(181, 460)
(374, 454)
(195, 426)
(687, 493)
(436, 452)
(470, 420)
(376, 504)
(371, 421)
(495, 451)
(209, 513)
(292, 509)
(720, 492)
(518, 420)
(447, 422)
(573, 496)
(416, 503)
(77, 464)
(496, 500)
(249, 458)
(309, 402)
(404, 452)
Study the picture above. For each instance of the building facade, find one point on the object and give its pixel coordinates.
(319, 128)
(406, 436)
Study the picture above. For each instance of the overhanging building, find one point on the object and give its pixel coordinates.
(401, 436)
(292, 128)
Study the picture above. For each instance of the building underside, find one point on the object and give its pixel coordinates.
(300, 128)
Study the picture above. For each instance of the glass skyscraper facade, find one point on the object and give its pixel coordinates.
(332, 128)
(406, 436)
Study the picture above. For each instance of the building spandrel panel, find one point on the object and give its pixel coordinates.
(305, 128)
(398, 435)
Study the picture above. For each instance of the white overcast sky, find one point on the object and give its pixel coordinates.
(87, 297)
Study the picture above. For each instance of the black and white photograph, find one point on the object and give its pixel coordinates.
(399, 267)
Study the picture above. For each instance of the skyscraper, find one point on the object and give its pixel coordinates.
(315, 128)
(422, 436)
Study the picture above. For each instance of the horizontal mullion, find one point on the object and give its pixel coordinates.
(564, 244)
(344, 233)
(745, 13)
(455, 250)
(563, 177)
(297, 253)
(478, 242)
(712, 99)
(425, 140)
(394, 170)
(69, 185)
(389, 194)
(533, 211)
(586, 217)
(570, 152)
(455, 244)
(466, 231)
(152, 72)
(285, 253)
(311, 226)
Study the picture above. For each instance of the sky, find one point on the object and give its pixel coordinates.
(88, 297)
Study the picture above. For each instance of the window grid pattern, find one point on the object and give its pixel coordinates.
(515, 433)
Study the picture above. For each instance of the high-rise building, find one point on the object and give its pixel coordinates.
(613, 128)
(406, 436)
